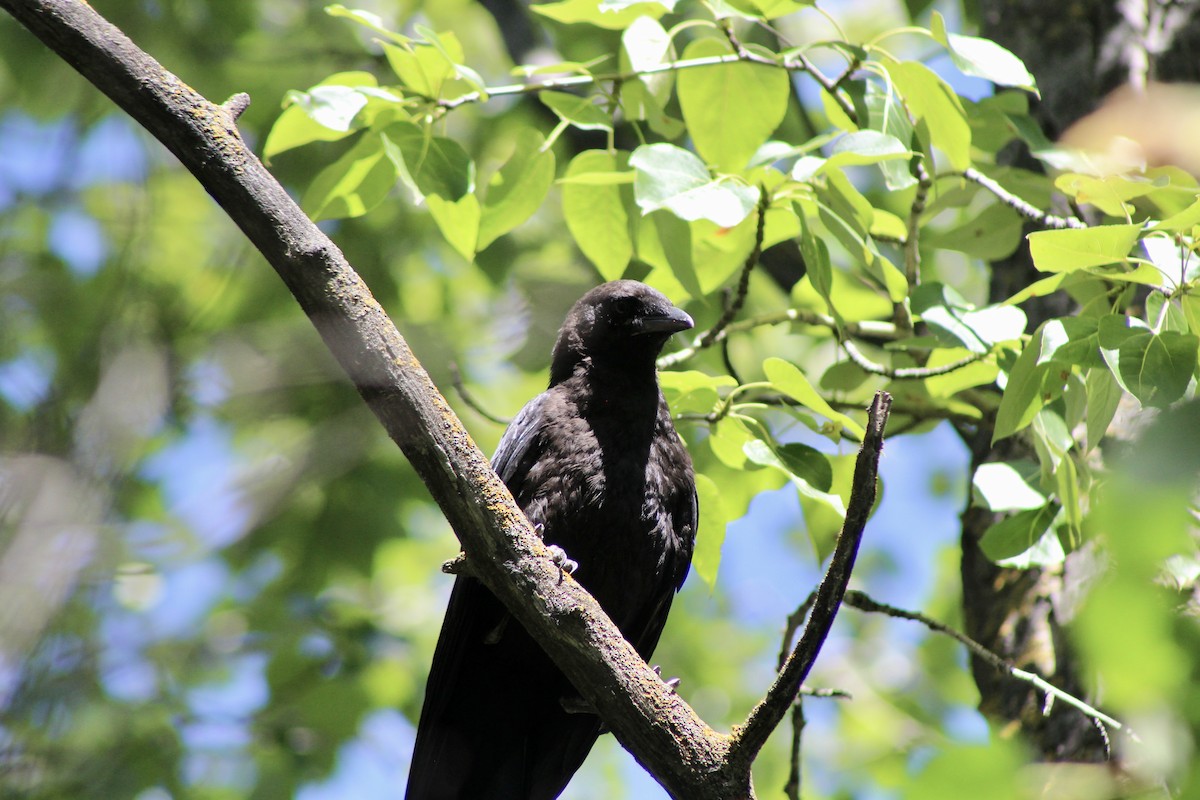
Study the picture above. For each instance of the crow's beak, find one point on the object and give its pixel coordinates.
(672, 321)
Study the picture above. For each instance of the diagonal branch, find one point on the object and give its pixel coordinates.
(767, 715)
(683, 753)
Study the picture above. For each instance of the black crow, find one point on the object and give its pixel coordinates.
(597, 467)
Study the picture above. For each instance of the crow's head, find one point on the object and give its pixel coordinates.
(620, 324)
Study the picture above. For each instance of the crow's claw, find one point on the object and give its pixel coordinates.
(565, 565)
(672, 683)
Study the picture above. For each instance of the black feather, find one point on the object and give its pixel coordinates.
(595, 461)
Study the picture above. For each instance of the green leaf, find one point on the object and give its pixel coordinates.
(421, 68)
(817, 263)
(727, 440)
(825, 514)
(452, 51)
(1039, 288)
(730, 109)
(1181, 222)
(325, 113)
(580, 111)
(645, 45)
(787, 378)
(672, 178)
(710, 537)
(367, 19)
(607, 16)
(995, 770)
(866, 147)
(1103, 397)
(991, 234)
(983, 58)
(1004, 486)
(1075, 340)
(799, 461)
(665, 241)
(1066, 481)
(1025, 539)
(1109, 194)
(517, 190)
(691, 391)
(355, 183)
(1157, 367)
(600, 178)
(931, 101)
(887, 115)
(757, 9)
(811, 473)
(458, 221)
(1033, 381)
(956, 322)
(431, 165)
(601, 217)
(1071, 249)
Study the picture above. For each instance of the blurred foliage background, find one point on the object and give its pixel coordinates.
(218, 579)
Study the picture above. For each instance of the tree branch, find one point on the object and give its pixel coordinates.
(766, 716)
(906, 373)
(864, 602)
(796, 62)
(663, 733)
(867, 329)
(1022, 207)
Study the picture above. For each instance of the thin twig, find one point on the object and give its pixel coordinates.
(863, 602)
(912, 243)
(1022, 207)
(799, 61)
(766, 716)
(871, 329)
(905, 373)
(792, 787)
(727, 361)
(456, 379)
(796, 63)
(739, 298)
(794, 621)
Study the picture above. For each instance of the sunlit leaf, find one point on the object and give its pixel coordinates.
(518, 189)
(612, 17)
(730, 109)
(787, 378)
(692, 391)
(579, 110)
(706, 559)
(355, 183)
(601, 217)
(931, 101)
(1070, 249)
(983, 58)
(672, 178)
(1004, 486)
(1157, 367)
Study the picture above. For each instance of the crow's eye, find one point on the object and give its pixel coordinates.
(627, 306)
